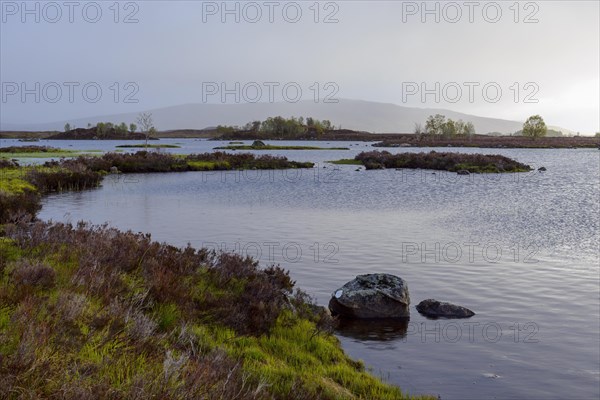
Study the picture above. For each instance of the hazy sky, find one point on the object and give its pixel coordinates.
(542, 56)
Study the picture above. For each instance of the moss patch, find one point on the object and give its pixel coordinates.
(346, 161)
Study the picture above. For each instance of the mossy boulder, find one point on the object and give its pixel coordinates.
(372, 296)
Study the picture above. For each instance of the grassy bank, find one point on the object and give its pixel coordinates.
(93, 312)
(40, 152)
(453, 162)
(346, 161)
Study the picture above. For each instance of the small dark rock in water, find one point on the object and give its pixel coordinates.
(542, 169)
(463, 172)
(438, 309)
(372, 296)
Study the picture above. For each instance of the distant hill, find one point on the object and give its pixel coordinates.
(350, 114)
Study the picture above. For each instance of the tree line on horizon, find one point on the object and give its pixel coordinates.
(281, 127)
(105, 127)
(438, 126)
(145, 121)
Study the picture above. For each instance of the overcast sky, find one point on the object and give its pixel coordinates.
(542, 56)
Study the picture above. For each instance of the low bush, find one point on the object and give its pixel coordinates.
(441, 161)
(29, 149)
(93, 312)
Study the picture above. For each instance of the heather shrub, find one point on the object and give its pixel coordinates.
(74, 176)
(441, 161)
(33, 275)
(258, 298)
(120, 316)
(8, 163)
(15, 206)
(28, 149)
(238, 293)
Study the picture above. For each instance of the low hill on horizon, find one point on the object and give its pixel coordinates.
(356, 115)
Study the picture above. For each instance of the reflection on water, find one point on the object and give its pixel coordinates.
(373, 329)
(520, 250)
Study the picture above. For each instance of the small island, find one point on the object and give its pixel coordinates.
(105, 131)
(22, 186)
(40, 152)
(453, 162)
(149, 146)
(260, 145)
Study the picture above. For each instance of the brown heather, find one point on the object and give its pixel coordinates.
(131, 279)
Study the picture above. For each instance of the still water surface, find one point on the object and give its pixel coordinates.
(520, 250)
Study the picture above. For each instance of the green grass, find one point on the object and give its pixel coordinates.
(486, 169)
(293, 353)
(208, 165)
(70, 339)
(271, 147)
(51, 153)
(123, 316)
(12, 181)
(167, 315)
(150, 146)
(346, 161)
(60, 153)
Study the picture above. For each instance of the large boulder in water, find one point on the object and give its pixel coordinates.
(438, 309)
(372, 296)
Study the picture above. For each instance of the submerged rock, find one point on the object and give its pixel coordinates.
(438, 309)
(372, 296)
(541, 169)
(463, 172)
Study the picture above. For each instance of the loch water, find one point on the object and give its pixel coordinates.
(521, 250)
